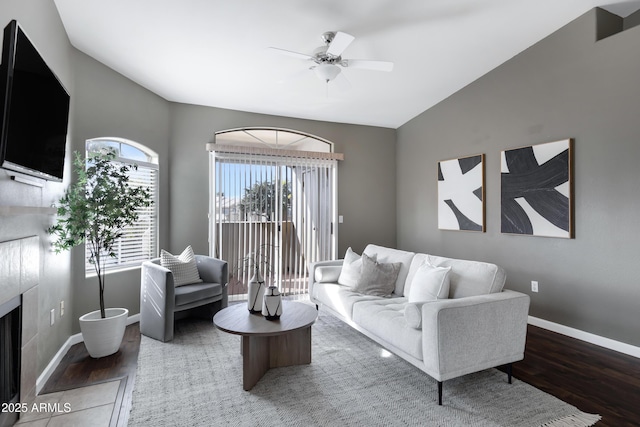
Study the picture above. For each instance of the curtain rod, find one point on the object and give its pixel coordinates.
(212, 146)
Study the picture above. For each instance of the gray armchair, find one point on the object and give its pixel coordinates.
(161, 302)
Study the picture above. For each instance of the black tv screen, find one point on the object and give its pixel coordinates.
(35, 110)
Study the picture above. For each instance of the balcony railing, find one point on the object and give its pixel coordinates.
(282, 258)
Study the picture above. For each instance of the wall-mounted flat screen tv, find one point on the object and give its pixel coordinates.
(35, 110)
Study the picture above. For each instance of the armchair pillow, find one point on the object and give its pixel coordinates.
(183, 266)
(377, 279)
(430, 283)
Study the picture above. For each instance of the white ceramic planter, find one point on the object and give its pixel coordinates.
(103, 337)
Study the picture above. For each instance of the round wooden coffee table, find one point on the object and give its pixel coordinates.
(269, 343)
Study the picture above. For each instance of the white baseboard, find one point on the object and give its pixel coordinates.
(586, 336)
(71, 341)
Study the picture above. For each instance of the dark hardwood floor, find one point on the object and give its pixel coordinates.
(589, 377)
(78, 369)
(593, 379)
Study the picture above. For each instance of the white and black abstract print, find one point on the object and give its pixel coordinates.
(536, 190)
(461, 194)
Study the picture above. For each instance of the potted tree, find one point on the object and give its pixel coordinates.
(94, 210)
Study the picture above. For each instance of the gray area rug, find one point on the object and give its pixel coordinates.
(196, 380)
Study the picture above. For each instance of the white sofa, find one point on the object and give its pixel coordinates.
(479, 325)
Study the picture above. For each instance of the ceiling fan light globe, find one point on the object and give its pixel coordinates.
(327, 72)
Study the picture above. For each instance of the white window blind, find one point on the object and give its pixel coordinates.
(279, 206)
(138, 242)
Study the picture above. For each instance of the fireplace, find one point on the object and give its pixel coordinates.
(19, 289)
(10, 354)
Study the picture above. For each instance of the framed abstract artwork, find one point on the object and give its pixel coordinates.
(461, 194)
(537, 190)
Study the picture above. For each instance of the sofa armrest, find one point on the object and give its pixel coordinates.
(312, 271)
(470, 334)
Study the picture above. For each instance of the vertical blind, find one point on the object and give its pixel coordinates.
(278, 210)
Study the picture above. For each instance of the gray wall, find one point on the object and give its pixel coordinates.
(366, 178)
(110, 105)
(566, 86)
(45, 30)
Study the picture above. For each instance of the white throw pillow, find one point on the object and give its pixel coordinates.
(351, 266)
(430, 283)
(378, 279)
(183, 266)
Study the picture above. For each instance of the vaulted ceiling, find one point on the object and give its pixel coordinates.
(215, 52)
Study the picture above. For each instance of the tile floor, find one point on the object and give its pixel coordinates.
(91, 406)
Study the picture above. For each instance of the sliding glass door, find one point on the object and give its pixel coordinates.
(279, 209)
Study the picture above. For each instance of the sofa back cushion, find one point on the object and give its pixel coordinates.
(467, 278)
(388, 255)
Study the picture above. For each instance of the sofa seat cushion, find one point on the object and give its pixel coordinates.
(339, 298)
(197, 292)
(385, 319)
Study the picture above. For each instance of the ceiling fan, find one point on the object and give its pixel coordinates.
(328, 60)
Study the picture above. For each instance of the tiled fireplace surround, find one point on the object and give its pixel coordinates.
(20, 275)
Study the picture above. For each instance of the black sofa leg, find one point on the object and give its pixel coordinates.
(509, 368)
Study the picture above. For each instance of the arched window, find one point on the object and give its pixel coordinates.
(139, 242)
(277, 139)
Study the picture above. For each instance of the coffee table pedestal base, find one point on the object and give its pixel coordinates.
(260, 353)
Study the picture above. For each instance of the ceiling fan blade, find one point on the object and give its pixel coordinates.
(291, 53)
(339, 43)
(369, 65)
